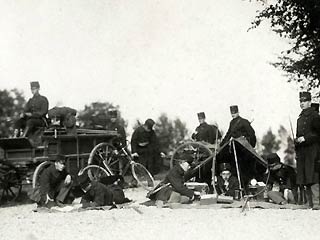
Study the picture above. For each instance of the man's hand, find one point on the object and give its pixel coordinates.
(28, 114)
(134, 155)
(162, 155)
(67, 180)
(301, 139)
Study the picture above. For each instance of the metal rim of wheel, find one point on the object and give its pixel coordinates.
(94, 172)
(10, 183)
(142, 175)
(102, 154)
(198, 149)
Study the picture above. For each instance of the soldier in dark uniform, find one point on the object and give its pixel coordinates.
(34, 114)
(239, 127)
(227, 184)
(115, 126)
(145, 145)
(173, 189)
(205, 132)
(307, 145)
(55, 184)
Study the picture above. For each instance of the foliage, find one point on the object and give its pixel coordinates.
(170, 133)
(96, 116)
(11, 105)
(299, 22)
(270, 143)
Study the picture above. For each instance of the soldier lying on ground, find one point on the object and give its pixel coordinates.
(107, 192)
(281, 185)
(172, 189)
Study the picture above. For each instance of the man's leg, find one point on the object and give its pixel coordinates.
(31, 125)
(63, 191)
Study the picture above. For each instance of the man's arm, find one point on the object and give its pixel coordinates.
(179, 186)
(250, 133)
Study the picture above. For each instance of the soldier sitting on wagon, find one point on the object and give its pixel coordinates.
(55, 184)
(34, 114)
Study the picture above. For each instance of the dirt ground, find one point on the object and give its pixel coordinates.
(136, 221)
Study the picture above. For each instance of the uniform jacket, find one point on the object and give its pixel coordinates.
(240, 127)
(308, 126)
(175, 178)
(38, 106)
(120, 130)
(98, 195)
(230, 189)
(144, 141)
(284, 175)
(50, 179)
(207, 133)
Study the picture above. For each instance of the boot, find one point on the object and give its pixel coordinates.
(309, 197)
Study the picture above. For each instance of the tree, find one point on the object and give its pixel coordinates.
(11, 105)
(270, 143)
(95, 115)
(298, 21)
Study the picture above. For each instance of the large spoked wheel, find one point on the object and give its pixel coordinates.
(194, 152)
(143, 176)
(10, 183)
(37, 173)
(105, 155)
(94, 172)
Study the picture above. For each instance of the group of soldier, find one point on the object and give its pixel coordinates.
(145, 146)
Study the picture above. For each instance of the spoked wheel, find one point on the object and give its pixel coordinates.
(37, 173)
(194, 152)
(94, 172)
(105, 155)
(142, 175)
(10, 183)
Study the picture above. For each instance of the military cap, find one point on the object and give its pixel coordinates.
(273, 158)
(304, 96)
(34, 85)
(225, 167)
(201, 115)
(315, 106)
(234, 109)
(113, 113)
(149, 122)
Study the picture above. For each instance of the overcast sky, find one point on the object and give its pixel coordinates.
(148, 56)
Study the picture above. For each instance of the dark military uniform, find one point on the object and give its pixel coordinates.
(38, 106)
(240, 127)
(308, 126)
(175, 178)
(146, 144)
(52, 183)
(207, 133)
(228, 190)
(121, 131)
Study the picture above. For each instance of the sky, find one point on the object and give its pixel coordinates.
(149, 57)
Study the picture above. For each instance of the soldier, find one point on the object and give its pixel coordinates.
(227, 184)
(315, 106)
(145, 145)
(115, 126)
(307, 144)
(34, 114)
(55, 184)
(205, 132)
(239, 127)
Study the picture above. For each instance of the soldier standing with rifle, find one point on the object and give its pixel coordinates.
(239, 127)
(307, 145)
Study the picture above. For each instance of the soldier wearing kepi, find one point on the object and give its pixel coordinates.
(205, 132)
(115, 126)
(239, 127)
(307, 144)
(34, 114)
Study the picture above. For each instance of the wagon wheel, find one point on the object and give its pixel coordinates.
(37, 173)
(193, 152)
(105, 155)
(94, 172)
(10, 183)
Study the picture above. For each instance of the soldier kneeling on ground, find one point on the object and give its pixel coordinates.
(281, 186)
(173, 189)
(105, 192)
